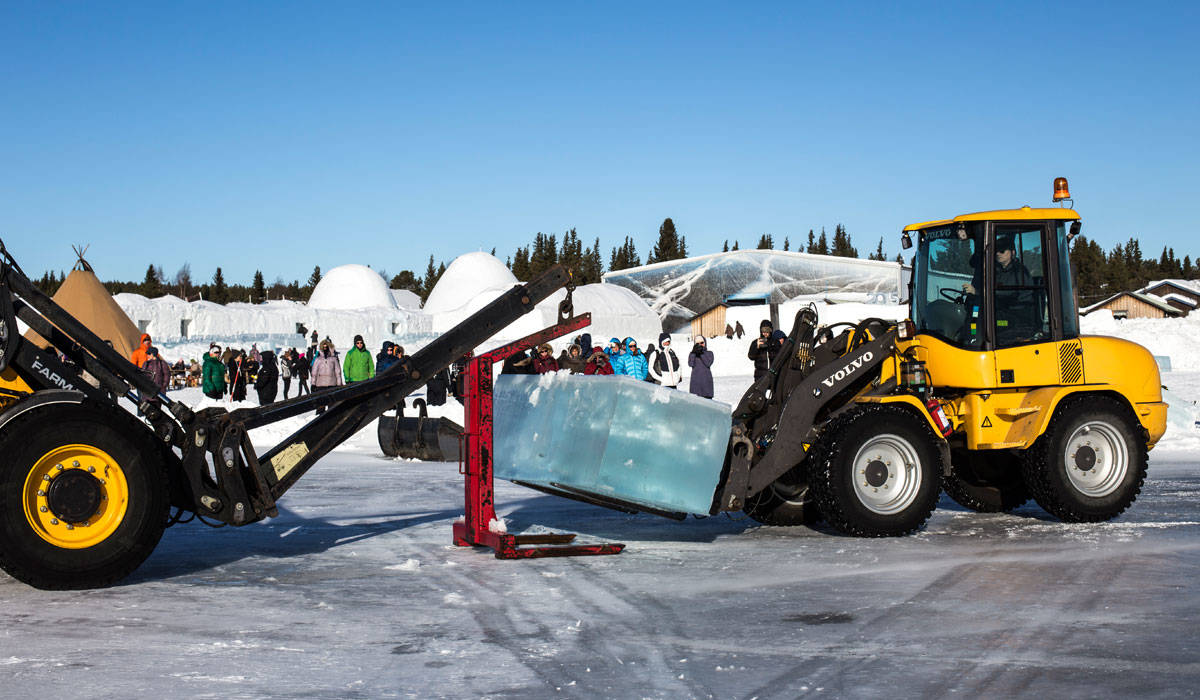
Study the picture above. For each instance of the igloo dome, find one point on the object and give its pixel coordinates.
(467, 278)
(352, 287)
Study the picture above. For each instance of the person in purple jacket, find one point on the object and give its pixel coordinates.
(700, 360)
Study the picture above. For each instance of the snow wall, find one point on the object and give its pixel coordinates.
(680, 290)
(354, 300)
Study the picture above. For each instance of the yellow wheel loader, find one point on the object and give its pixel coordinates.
(988, 390)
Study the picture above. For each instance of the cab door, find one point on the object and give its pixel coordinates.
(1023, 327)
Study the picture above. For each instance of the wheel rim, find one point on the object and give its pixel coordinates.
(887, 474)
(1096, 459)
(75, 496)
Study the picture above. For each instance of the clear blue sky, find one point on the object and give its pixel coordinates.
(279, 136)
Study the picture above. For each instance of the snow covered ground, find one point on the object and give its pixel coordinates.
(355, 591)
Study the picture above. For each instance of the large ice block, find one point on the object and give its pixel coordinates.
(613, 436)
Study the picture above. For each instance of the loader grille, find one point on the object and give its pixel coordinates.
(1070, 362)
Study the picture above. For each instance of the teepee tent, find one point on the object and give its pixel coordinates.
(83, 296)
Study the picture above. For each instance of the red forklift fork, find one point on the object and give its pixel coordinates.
(479, 526)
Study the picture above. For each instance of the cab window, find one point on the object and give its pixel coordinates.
(1021, 304)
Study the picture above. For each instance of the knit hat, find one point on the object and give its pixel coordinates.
(358, 339)
(662, 337)
(766, 323)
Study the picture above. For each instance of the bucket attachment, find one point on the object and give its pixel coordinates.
(424, 438)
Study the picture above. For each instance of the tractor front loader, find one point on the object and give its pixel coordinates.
(987, 390)
(86, 488)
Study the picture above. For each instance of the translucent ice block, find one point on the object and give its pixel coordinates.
(612, 436)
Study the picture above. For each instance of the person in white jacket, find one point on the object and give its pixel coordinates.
(665, 367)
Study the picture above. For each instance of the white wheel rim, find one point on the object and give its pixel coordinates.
(1096, 459)
(887, 474)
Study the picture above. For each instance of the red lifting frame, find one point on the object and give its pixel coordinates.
(474, 529)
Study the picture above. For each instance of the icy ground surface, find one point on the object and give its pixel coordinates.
(355, 591)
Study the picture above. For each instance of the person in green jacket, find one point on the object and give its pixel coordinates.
(213, 373)
(358, 365)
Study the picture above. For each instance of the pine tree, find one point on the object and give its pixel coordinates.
(683, 251)
(571, 252)
(315, 277)
(725, 249)
(429, 280)
(260, 287)
(152, 285)
(1186, 271)
(520, 264)
(667, 247)
(765, 242)
(878, 254)
(735, 244)
(822, 247)
(812, 243)
(841, 243)
(787, 244)
(591, 269)
(624, 257)
(407, 280)
(219, 290)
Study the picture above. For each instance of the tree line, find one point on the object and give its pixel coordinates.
(1099, 273)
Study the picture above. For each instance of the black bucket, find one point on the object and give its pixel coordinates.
(424, 438)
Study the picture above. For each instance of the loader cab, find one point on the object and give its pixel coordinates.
(998, 281)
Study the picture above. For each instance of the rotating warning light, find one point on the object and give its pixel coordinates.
(1060, 189)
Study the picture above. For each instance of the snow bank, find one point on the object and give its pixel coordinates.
(1175, 338)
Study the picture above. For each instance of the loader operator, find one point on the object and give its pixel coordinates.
(1014, 303)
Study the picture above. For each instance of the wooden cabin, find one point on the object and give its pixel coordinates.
(1135, 305)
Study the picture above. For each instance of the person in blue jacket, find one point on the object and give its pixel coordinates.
(632, 362)
(613, 351)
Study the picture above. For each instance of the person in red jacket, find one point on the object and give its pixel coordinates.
(544, 361)
(138, 357)
(598, 362)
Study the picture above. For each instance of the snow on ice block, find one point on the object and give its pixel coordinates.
(612, 436)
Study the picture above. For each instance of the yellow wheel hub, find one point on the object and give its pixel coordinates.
(75, 496)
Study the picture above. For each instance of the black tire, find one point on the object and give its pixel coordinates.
(851, 472)
(1090, 464)
(125, 500)
(986, 481)
(788, 501)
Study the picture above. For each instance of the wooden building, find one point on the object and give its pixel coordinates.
(1177, 293)
(710, 323)
(1135, 305)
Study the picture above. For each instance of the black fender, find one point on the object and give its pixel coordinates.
(39, 399)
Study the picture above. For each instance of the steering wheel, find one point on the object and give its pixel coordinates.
(958, 296)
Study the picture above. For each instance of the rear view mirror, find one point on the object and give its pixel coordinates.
(905, 241)
(1075, 226)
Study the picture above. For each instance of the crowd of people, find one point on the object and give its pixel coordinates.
(660, 365)
(229, 371)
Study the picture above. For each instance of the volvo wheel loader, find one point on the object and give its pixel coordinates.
(988, 391)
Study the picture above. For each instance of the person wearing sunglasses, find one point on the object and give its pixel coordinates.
(543, 361)
(632, 362)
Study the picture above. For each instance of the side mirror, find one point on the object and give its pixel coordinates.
(905, 241)
(1075, 226)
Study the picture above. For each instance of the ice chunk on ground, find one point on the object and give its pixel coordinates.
(613, 436)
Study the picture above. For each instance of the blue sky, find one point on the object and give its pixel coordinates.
(280, 136)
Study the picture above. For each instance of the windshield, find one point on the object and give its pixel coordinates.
(946, 275)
